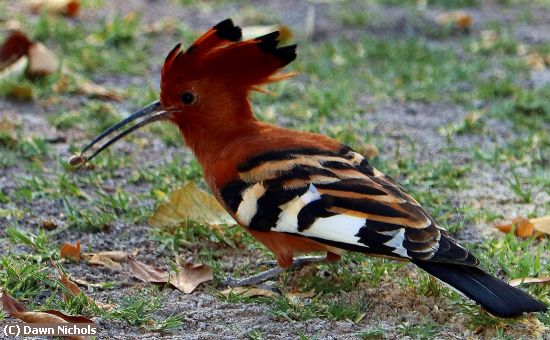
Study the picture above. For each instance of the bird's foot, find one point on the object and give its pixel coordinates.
(273, 272)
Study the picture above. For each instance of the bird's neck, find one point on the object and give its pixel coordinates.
(206, 137)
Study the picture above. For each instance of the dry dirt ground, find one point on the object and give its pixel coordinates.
(406, 127)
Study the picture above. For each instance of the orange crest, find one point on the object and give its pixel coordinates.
(220, 57)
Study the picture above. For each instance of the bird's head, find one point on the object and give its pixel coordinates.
(207, 84)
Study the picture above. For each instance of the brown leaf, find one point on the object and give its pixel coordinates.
(147, 273)
(525, 228)
(71, 286)
(69, 318)
(75, 290)
(19, 311)
(186, 279)
(458, 19)
(190, 203)
(14, 47)
(504, 227)
(94, 90)
(11, 305)
(111, 259)
(190, 276)
(70, 251)
(542, 224)
(48, 224)
(517, 282)
(249, 292)
(42, 61)
(68, 8)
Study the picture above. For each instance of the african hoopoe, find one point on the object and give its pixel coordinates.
(299, 192)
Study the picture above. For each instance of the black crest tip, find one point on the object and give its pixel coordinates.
(226, 30)
(286, 54)
(171, 53)
(268, 43)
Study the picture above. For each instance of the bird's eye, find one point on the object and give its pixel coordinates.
(188, 98)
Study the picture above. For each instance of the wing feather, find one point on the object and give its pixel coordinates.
(339, 199)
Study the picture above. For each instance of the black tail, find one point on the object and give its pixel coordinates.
(497, 297)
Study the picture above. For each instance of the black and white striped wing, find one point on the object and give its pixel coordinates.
(339, 199)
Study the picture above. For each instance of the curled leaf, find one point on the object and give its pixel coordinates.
(110, 259)
(19, 311)
(75, 291)
(70, 251)
(11, 305)
(147, 273)
(14, 47)
(525, 228)
(190, 276)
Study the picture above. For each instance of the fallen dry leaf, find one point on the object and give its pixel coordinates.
(249, 292)
(14, 47)
(190, 203)
(458, 19)
(11, 305)
(525, 228)
(110, 259)
(541, 224)
(19, 311)
(42, 61)
(70, 251)
(18, 54)
(147, 273)
(69, 8)
(517, 282)
(94, 90)
(48, 224)
(75, 291)
(190, 276)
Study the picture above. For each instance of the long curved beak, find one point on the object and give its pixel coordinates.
(152, 113)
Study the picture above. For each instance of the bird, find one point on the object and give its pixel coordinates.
(298, 192)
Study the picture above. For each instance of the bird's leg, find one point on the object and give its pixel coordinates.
(274, 272)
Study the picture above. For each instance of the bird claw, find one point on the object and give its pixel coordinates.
(271, 273)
